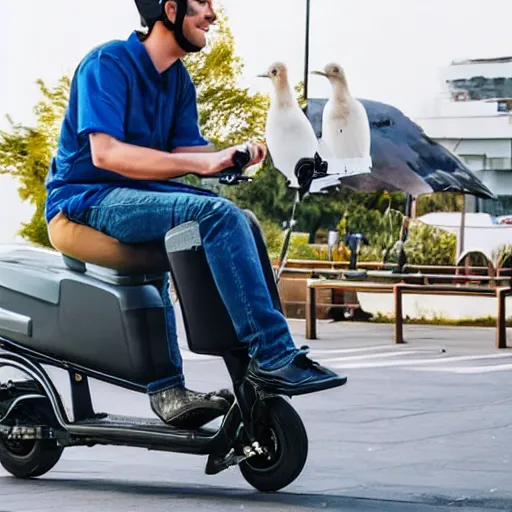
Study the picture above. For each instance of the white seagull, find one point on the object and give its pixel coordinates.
(345, 125)
(289, 133)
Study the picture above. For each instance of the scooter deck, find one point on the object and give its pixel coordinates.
(150, 425)
(142, 432)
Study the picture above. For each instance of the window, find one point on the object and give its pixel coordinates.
(497, 164)
(480, 88)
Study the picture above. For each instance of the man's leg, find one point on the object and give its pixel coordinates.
(268, 271)
(232, 254)
(170, 399)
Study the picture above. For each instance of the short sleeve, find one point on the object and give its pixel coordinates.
(186, 131)
(102, 96)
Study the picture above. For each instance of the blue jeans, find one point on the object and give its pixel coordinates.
(231, 249)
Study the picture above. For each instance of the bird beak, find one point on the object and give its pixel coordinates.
(321, 73)
(266, 75)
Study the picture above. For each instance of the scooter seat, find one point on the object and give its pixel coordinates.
(85, 249)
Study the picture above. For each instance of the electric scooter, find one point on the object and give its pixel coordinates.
(96, 322)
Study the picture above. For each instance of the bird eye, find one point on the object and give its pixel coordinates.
(274, 72)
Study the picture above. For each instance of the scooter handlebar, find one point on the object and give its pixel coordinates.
(234, 174)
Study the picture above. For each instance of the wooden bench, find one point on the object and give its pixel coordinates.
(398, 290)
(315, 284)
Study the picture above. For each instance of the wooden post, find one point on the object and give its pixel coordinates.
(399, 321)
(501, 317)
(311, 313)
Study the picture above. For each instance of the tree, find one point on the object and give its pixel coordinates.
(228, 114)
(26, 152)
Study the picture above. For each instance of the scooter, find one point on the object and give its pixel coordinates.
(96, 322)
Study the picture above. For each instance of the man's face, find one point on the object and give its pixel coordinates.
(200, 15)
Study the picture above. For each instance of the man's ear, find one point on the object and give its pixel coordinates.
(171, 8)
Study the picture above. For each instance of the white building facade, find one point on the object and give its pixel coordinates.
(472, 117)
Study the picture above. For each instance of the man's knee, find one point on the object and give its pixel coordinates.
(226, 210)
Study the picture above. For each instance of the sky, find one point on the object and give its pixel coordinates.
(392, 50)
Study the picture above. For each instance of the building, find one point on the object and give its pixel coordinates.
(472, 117)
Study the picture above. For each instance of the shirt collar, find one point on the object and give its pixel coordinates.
(136, 47)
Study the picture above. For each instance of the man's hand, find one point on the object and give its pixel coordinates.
(224, 159)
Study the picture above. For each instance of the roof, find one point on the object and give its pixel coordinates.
(493, 60)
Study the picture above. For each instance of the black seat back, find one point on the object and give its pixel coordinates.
(207, 322)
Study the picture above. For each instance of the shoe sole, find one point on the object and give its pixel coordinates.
(302, 389)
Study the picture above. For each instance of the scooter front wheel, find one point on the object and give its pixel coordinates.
(29, 459)
(284, 440)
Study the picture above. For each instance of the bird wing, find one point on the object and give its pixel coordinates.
(412, 148)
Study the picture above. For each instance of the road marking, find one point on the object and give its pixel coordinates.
(469, 369)
(371, 356)
(352, 350)
(414, 362)
(382, 356)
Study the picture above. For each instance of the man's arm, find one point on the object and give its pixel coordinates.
(209, 148)
(141, 163)
(102, 92)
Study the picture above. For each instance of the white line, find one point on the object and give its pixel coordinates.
(469, 369)
(370, 356)
(446, 360)
(352, 350)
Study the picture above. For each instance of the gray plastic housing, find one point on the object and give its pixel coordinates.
(93, 317)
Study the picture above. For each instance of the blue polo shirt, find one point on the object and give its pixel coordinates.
(117, 90)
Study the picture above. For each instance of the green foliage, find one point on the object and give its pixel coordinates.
(440, 202)
(300, 249)
(26, 152)
(228, 114)
(273, 237)
(428, 245)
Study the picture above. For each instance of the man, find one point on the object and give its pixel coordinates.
(130, 128)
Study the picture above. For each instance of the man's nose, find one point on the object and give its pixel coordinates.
(211, 15)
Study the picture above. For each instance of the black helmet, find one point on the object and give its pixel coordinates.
(152, 11)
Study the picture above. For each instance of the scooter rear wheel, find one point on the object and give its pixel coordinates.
(283, 437)
(29, 459)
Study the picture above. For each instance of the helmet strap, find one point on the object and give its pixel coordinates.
(177, 27)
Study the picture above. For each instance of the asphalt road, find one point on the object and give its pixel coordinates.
(420, 427)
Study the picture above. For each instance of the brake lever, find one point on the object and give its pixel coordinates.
(233, 179)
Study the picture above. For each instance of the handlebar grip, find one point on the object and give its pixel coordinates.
(240, 159)
(242, 156)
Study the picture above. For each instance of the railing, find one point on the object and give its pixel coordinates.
(398, 290)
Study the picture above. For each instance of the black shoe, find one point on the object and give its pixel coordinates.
(182, 408)
(299, 377)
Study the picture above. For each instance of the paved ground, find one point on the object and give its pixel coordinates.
(420, 427)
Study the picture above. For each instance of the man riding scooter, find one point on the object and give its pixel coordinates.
(130, 129)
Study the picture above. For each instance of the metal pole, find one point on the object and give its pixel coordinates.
(306, 51)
